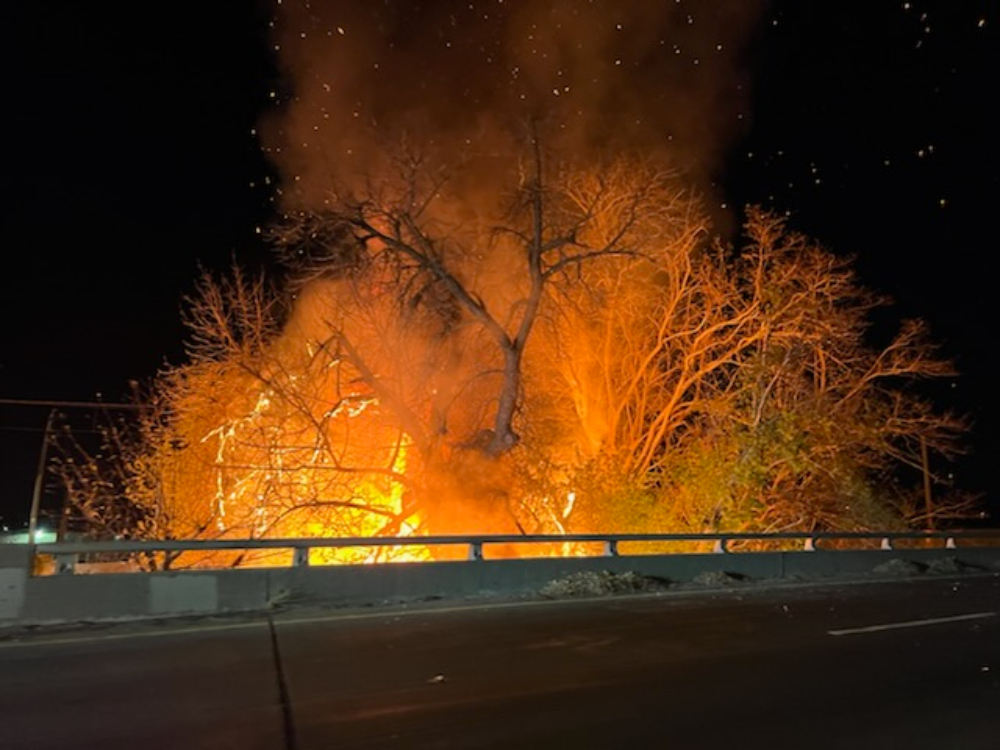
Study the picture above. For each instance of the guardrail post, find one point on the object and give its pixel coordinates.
(611, 548)
(720, 546)
(300, 558)
(949, 543)
(886, 543)
(475, 550)
(65, 565)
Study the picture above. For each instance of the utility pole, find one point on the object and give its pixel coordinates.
(36, 495)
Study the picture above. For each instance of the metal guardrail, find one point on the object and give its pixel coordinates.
(67, 553)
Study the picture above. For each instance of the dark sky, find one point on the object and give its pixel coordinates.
(134, 151)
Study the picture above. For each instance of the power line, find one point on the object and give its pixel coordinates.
(40, 430)
(69, 404)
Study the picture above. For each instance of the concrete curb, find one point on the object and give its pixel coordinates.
(38, 600)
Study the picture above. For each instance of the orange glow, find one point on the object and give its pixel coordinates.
(287, 443)
(369, 525)
(529, 550)
(401, 395)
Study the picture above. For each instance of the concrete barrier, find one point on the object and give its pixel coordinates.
(15, 562)
(26, 599)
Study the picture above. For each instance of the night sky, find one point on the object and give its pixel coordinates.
(144, 145)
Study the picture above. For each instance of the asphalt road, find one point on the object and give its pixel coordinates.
(907, 664)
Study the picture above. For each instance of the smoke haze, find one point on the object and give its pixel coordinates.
(660, 77)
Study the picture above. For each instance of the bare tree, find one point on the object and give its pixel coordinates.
(270, 433)
(554, 226)
(460, 298)
(829, 416)
(746, 392)
(110, 481)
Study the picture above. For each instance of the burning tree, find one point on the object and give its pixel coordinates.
(570, 350)
(469, 296)
(384, 388)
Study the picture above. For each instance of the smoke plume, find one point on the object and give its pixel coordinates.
(657, 77)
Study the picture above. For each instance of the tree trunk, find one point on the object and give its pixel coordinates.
(504, 437)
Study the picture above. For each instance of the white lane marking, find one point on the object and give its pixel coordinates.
(14, 641)
(912, 623)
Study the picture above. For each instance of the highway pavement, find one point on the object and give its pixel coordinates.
(910, 663)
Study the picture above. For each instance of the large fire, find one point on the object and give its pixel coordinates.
(457, 357)
(674, 390)
(508, 305)
(321, 430)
